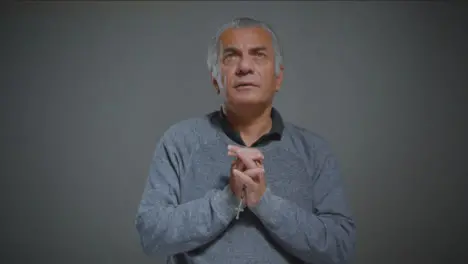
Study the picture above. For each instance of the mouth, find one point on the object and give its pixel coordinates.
(245, 85)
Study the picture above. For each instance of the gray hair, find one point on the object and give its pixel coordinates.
(242, 22)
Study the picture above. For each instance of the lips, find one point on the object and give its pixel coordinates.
(245, 84)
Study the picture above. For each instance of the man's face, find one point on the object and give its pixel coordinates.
(247, 65)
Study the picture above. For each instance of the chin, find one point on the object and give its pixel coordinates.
(246, 100)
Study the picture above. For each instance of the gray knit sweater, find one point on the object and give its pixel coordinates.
(187, 212)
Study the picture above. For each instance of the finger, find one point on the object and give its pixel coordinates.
(238, 165)
(258, 177)
(238, 161)
(258, 157)
(255, 151)
(252, 152)
(245, 179)
(234, 148)
(246, 154)
(247, 160)
(253, 173)
(257, 161)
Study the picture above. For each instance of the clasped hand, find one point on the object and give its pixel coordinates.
(247, 170)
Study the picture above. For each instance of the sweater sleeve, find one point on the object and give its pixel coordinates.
(165, 226)
(325, 234)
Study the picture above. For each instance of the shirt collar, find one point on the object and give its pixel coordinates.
(275, 133)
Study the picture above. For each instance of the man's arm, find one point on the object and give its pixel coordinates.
(325, 234)
(167, 227)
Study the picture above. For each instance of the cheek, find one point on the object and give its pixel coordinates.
(267, 71)
(226, 76)
(230, 74)
(222, 81)
(268, 78)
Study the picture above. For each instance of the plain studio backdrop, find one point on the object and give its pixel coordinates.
(88, 88)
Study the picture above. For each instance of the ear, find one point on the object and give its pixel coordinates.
(215, 84)
(279, 78)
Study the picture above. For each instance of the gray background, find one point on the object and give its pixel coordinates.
(88, 89)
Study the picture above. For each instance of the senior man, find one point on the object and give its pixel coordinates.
(240, 185)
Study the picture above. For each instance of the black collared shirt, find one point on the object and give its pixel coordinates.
(275, 132)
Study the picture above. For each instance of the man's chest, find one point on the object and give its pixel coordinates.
(287, 176)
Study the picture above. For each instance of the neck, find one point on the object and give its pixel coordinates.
(251, 122)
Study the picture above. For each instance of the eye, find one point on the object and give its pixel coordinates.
(261, 55)
(229, 57)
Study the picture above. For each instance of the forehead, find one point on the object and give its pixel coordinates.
(246, 38)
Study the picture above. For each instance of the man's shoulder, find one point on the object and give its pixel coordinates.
(190, 128)
(306, 137)
(189, 124)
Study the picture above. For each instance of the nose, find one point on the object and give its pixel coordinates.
(245, 66)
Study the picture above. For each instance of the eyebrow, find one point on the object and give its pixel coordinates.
(257, 49)
(232, 49)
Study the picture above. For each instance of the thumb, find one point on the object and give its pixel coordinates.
(245, 179)
(252, 173)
